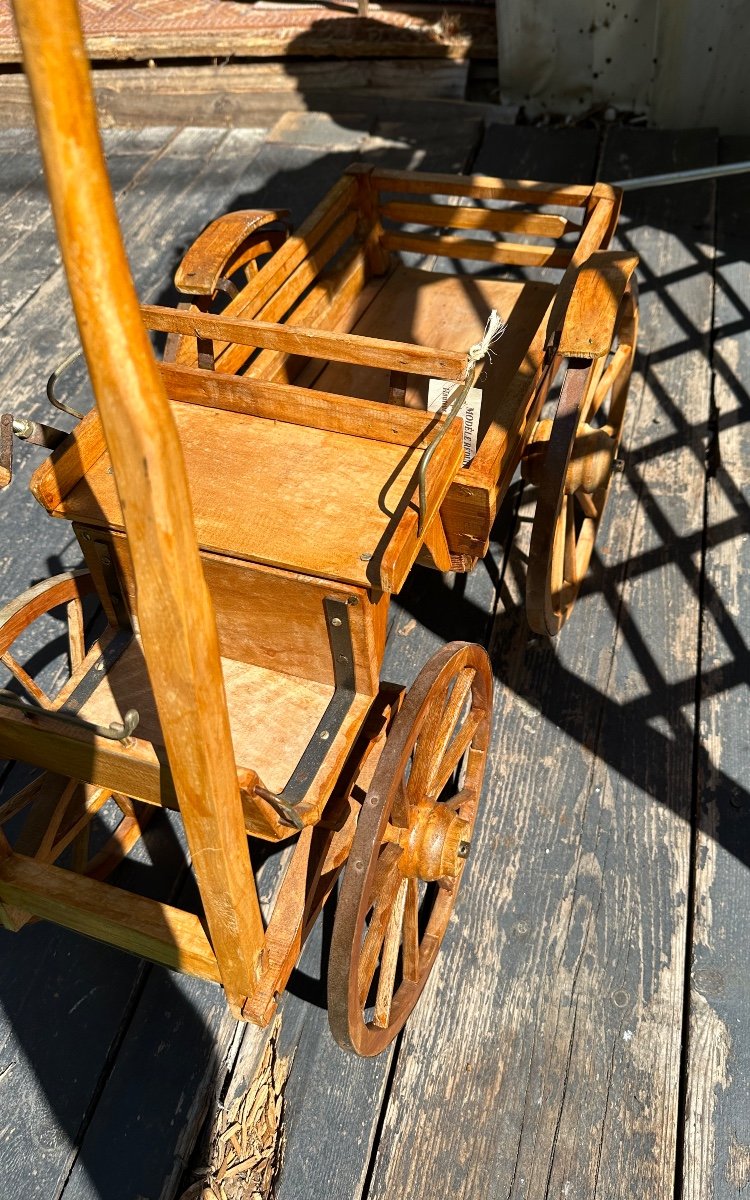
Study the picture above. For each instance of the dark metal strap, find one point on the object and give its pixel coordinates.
(340, 638)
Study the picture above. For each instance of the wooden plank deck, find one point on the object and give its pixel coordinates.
(585, 1030)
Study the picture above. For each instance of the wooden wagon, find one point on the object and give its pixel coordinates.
(247, 507)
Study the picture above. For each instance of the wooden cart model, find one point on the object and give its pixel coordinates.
(247, 507)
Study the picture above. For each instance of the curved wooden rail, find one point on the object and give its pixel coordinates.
(174, 608)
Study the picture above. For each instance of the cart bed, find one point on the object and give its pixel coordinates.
(449, 312)
(273, 716)
(305, 499)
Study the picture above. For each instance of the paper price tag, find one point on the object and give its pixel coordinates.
(439, 394)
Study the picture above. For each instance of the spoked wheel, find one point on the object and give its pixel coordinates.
(571, 460)
(407, 857)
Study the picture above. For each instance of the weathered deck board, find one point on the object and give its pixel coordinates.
(716, 1159)
(556, 1071)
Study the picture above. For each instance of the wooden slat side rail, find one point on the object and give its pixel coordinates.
(311, 343)
(232, 357)
(175, 613)
(322, 308)
(299, 405)
(511, 253)
(56, 475)
(156, 931)
(463, 216)
(295, 250)
(483, 187)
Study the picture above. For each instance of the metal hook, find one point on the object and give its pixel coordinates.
(55, 400)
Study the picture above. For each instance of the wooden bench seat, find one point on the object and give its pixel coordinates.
(310, 500)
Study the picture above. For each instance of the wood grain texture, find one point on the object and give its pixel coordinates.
(253, 94)
(716, 1152)
(281, 473)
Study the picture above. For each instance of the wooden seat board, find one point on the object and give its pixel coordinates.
(309, 500)
(272, 716)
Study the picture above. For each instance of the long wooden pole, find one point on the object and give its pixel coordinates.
(175, 613)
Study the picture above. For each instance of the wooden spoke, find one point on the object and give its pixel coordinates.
(451, 716)
(619, 362)
(411, 931)
(456, 751)
(76, 638)
(561, 548)
(119, 845)
(16, 804)
(84, 665)
(389, 959)
(56, 820)
(386, 892)
(31, 688)
(569, 570)
(80, 850)
(424, 752)
(394, 919)
(588, 505)
(92, 799)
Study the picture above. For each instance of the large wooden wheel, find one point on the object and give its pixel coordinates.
(60, 810)
(409, 850)
(571, 459)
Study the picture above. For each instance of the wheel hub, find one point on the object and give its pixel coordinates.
(436, 844)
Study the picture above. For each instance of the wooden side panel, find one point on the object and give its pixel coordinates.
(272, 618)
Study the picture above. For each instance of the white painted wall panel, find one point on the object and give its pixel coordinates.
(681, 62)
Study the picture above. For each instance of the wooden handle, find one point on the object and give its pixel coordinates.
(174, 608)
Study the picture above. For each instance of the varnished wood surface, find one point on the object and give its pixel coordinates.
(547, 1056)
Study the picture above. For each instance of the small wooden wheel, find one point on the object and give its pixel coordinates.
(409, 850)
(571, 459)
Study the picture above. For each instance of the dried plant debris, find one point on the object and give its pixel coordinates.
(247, 1146)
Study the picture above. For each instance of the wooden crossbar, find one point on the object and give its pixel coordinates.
(462, 216)
(311, 343)
(483, 187)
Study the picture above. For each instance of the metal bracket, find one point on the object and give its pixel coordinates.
(83, 690)
(340, 638)
(6, 449)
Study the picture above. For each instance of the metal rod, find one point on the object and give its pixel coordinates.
(115, 732)
(689, 176)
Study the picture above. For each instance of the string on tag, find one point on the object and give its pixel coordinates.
(494, 329)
